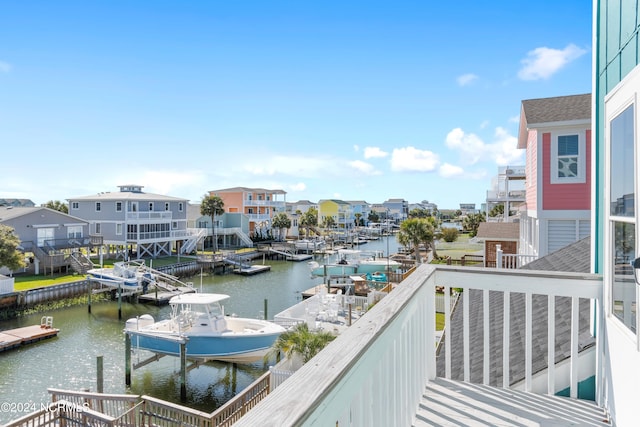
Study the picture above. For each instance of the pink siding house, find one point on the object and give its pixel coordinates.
(556, 134)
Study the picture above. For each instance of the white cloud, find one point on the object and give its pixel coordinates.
(449, 171)
(5, 67)
(514, 119)
(470, 146)
(411, 159)
(298, 166)
(484, 124)
(543, 62)
(466, 79)
(473, 149)
(364, 167)
(374, 152)
(356, 148)
(505, 150)
(300, 186)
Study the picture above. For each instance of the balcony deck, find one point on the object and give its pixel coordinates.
(383, 370)
(454, 403)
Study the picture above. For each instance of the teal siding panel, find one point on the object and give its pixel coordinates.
(629, 55)
(628, 25)
(586, 389)
(612, 30)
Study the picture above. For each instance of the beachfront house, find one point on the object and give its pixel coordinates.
(386, 373)
(397, 209)
(47, 237)
(341, 212)
(134, 224)
(231, 230)
(556, 134)
(260, 205)
(507, 190)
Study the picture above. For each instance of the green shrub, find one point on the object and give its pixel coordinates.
(449, 234)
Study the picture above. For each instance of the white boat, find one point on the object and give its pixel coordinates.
(353, 261)
(198, 320)
(122, 274)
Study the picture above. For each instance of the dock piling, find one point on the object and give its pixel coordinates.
(127, 360)
(100, 373)
(183, 371)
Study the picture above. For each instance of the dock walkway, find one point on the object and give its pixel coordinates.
(13, 338)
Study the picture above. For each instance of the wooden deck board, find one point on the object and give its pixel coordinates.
(16, 337)
(453, 403)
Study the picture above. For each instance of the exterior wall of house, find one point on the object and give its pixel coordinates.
(572, 196)
(531, 171)
(60, 225)
(327, 208)
(615, 233)
(133, 217)
(508, 247)
(233, 201)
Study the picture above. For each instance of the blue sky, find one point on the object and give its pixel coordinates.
(354, 100)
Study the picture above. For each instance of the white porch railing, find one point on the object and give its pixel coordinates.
(375, 372)
(512, 260)
(133, 216)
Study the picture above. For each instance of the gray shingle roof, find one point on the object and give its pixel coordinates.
(498, 231)
(575, 257)
(557, 109)
(517, 322)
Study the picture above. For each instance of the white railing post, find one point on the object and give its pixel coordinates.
(498, 256)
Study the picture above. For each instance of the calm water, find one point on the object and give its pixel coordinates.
(69, 361)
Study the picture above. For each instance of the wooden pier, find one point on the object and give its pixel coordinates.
(26, 335)
(251, 270)
(162, 297)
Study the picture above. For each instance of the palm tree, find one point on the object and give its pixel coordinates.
(309, 219)
(471, 223)
(212, 206)
(300, 342)
(416, 231)
(281, 222)
(358, 219)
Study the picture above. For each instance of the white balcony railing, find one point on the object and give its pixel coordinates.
(512, 260)
(375, 373)
(138, 216)
(258, 217)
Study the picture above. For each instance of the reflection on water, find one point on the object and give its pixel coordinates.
(69, 360)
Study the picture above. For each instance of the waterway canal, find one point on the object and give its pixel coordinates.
(69, 361)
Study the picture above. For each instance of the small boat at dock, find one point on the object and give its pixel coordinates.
(354, 261)
(198, 321)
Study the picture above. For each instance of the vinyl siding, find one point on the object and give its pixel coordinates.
(565, 196)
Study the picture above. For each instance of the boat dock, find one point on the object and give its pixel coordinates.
(163, 297)
(14, 338)
(250, 270)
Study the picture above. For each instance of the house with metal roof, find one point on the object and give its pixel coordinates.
(136, 224)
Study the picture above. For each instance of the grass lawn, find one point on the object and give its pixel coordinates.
(26, 282)
(439, 321)
(460, 247)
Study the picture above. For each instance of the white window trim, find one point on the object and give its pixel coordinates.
(75, 206)
(98, 206)
(618, 100)
(582, 158)
(119, 210)
(119, 228)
